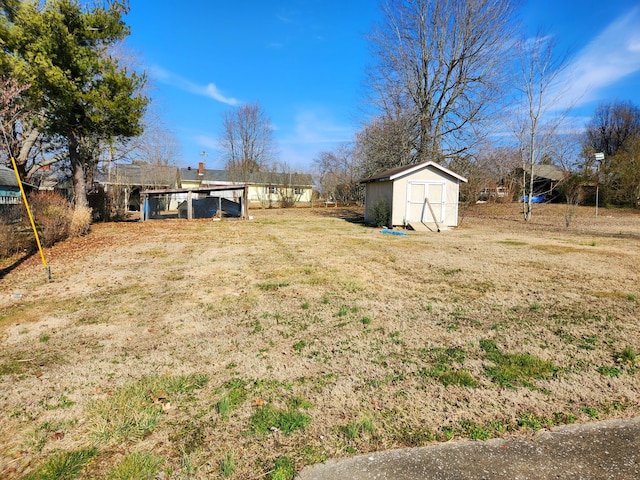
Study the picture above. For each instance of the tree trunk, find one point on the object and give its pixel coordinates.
(77, 172)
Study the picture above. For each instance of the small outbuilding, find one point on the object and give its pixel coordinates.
(420, 194)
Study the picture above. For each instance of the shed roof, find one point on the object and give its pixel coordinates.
(397, 172)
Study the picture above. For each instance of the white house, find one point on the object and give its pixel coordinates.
(424, 193)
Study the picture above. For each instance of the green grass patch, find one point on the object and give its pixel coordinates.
(447, 375)
(11, 368)
(447, 355)
(533, 422)
(267, 417)
(61, 402)
(134, 410)
(475, 431)
(234, 393)
(591, 412)
(515, 369)
(609, 371)
(64, 465)
(283, 469)
(227, 465)
(358, 428)
(136, 466)
(299, 346)
(627, 356)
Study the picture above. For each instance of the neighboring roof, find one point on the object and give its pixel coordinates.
(8, 177)
(191, 175)
(266, 178)
(551, 172)
(138, 175)
(394, 173)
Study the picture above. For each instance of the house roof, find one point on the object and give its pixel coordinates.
(550, 172)
(8, 177)
(397, 172)
(139, 175)
(266, 178)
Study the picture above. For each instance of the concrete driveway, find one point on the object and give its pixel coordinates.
(593, 451)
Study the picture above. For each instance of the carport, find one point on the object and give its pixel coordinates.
(201, 202)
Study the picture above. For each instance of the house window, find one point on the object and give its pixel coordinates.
(298, 190)
(271, 189)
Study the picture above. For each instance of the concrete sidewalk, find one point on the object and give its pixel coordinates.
(593, 451)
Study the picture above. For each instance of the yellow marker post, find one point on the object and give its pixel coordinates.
(33, 224)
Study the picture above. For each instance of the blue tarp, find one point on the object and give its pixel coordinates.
(393, 232)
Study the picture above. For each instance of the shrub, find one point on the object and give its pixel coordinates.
(52, 214)
(14, 233)
(80, 222)
(380, 213)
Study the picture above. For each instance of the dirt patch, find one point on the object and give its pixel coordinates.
(346, 340)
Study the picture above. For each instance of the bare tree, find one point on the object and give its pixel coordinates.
(612, 126)
(247, 140)
(441, 63)
(339, 173)
(615, 131)
(385, 142)
(21, 132)
(536, 125)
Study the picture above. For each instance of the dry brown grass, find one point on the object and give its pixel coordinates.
(186, 339)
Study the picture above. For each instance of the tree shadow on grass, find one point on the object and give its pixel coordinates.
(8, 269)
(349, 214)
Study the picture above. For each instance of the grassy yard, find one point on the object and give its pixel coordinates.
(250, 349)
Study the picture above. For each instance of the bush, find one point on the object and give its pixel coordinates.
(52, 214)
(13, 230)
(80, 222)
(55, 219)
(380, 213)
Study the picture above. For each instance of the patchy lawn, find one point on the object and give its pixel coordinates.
(249, 349)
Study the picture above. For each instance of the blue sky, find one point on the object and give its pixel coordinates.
(304, 62)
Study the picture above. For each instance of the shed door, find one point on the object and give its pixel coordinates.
(417, 208)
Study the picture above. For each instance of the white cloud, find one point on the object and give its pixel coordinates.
(208, 142)
(316, 126)
(210, 90)
(313, 131)
(608, 58)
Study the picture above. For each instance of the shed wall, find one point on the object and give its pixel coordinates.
(429, 175)
(375, 191)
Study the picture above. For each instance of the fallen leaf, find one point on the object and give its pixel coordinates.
(257, 402)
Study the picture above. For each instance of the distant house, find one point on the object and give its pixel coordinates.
(10, 194)
(9, 189)
(424, 193)
(265, 188)
(546, 179)
(124, 182)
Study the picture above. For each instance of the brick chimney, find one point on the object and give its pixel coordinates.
(201, 169)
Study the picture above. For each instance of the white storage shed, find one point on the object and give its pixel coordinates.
(420, 194)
